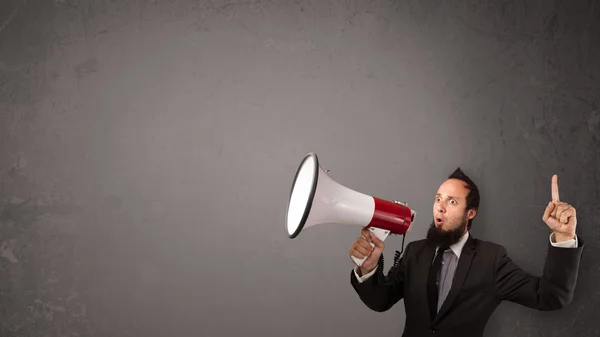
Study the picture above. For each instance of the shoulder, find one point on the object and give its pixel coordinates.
(484, 244)
(417, 244)
(489, 248)
(415, 247)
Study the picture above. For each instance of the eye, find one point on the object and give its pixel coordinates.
(453, 201)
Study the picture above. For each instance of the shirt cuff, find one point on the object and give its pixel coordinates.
(366, 276)
(573, 243)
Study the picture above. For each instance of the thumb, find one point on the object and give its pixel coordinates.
(548, 211)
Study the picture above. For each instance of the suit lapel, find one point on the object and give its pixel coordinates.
(425, 258)
(462, 270)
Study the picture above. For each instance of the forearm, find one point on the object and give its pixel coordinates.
(551, 291)
(379, 292)
(559, 279)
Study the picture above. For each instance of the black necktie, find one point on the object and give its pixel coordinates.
(433, 280)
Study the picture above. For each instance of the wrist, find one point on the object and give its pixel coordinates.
(362, 271)
(563, 237)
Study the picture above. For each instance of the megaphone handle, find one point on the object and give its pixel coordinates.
(381, 234)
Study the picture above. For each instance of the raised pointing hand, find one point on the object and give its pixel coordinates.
(560, 217)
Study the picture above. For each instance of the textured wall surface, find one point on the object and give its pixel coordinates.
(147, 150)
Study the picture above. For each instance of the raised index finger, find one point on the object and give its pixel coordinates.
(555, 188)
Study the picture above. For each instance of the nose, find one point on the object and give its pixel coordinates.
(440, 208)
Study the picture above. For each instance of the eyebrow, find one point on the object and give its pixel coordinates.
(450, 196)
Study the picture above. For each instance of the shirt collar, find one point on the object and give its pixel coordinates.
(458, 246)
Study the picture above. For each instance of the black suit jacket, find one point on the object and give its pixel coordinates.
(485, 276)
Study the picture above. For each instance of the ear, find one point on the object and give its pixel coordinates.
(472, 213)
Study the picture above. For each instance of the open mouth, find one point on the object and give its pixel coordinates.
(439, 221)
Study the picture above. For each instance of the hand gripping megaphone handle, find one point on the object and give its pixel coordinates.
(381, 234)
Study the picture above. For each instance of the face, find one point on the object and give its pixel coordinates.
(450, 216)
(449, 207)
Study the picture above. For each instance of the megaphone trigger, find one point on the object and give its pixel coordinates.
(381, 234)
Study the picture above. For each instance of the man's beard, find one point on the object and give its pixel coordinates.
(437, 236)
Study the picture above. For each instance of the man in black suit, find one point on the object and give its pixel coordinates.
(455, 292)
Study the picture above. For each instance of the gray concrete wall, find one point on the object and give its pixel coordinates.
(147, 151)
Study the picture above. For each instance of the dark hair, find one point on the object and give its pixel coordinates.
(473, 196)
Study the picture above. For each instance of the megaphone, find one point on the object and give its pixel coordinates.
(316, 199)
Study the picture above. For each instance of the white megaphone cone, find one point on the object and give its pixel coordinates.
(316, 199)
